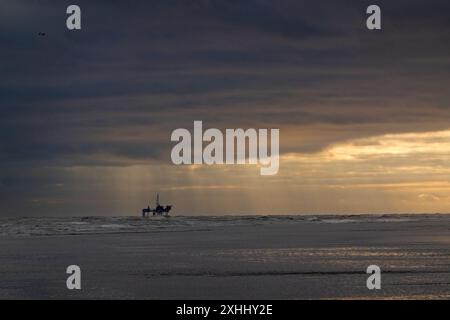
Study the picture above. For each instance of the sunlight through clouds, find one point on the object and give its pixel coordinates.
(405, 144)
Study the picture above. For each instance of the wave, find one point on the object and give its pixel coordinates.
(47, 226)
(285, 273)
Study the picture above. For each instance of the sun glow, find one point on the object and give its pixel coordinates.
(404, 144)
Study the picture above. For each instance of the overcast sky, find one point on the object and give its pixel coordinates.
(86, 116)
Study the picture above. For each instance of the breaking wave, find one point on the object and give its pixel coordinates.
(34, 226)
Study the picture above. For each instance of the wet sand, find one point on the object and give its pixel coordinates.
(261, 259)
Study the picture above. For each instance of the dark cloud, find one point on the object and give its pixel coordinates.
(111, 93)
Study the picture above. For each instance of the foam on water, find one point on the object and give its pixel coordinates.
(46, 226)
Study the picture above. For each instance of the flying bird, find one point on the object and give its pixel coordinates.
(41, 34)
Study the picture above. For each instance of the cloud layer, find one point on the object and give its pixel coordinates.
(87, 115)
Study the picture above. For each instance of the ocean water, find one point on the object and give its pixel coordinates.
(241, 257)
(49, 226)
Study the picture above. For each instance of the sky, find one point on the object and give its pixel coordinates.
(86, 116)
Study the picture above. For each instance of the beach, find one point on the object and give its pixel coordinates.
(253, 257)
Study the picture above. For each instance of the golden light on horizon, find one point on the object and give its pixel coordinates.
(403, 144)
(399, 172)
(405, 172)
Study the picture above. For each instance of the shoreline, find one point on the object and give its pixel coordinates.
(268, 260)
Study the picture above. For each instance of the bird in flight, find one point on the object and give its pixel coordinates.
(41, 34)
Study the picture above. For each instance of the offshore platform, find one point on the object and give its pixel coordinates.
(158, 211)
